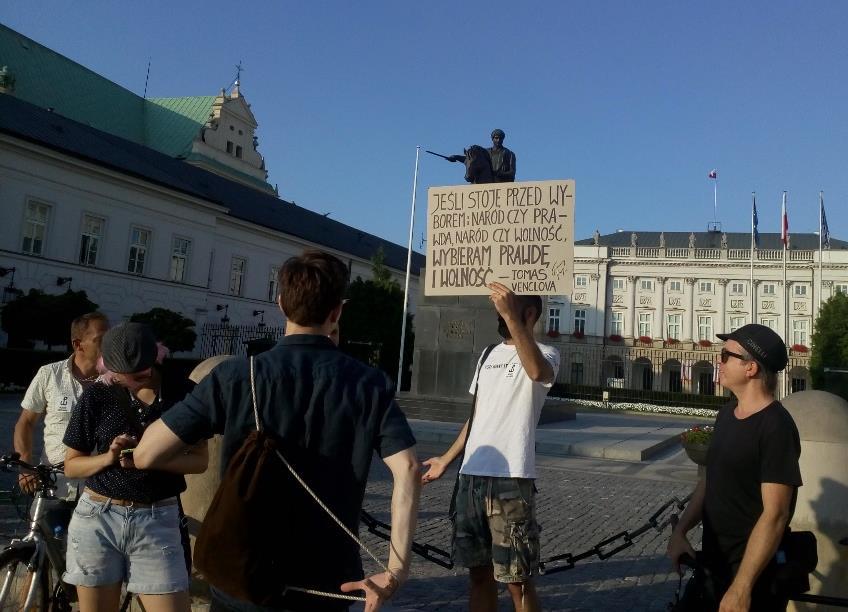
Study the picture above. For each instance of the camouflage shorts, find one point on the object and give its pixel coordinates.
(494, 523)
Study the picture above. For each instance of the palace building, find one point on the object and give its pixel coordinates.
(147, 203)
(646, 307)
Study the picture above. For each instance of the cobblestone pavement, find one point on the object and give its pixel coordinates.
(580, 502)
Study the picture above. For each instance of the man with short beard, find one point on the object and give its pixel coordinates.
(496, 534)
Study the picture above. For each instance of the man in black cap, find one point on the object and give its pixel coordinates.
(747, 497)
(503, 160)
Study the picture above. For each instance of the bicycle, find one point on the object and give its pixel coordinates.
(31, 565)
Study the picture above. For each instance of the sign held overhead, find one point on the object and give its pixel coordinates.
(518, 234)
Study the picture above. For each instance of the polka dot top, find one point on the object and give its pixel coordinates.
(99, 417)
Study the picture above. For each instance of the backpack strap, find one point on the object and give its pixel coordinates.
(314, 496)
(486, 352)
(253, 397)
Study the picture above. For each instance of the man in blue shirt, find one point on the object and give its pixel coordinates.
(336, 410)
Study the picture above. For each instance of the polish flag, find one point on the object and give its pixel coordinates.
(713, 174)
(784, 226)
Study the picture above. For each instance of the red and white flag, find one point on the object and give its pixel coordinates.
(713, 174)
(784, 225)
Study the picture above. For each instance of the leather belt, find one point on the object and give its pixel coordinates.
(96, 497)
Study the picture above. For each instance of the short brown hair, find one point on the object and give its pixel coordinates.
(80, 325)
(311, 285)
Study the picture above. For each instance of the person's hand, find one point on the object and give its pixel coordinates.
(378, 589)
(736, 599)
(120, 443)
(28, 483)
(678, 546)
(506, 302)
(436, 466)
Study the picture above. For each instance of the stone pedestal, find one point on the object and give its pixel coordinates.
(822, 420)
(450, 335)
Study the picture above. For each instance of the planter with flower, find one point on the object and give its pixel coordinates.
(800, 348)
(668, 342)
(577, 334)
(696, 442)
(646, 341)
(553, 333)
(615, 338)
(705, 343)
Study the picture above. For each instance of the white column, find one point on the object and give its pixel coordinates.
(600, 303)
(661, 309)
(634, 327)
(722, 307)
(689, 323)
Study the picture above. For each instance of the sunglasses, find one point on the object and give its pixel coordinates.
(725, 355)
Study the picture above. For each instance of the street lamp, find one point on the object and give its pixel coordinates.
(10, 292)
(226, 308)
(261, 315)
(64, 280)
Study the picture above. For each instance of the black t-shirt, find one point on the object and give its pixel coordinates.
(334, 409)
(744, 453)
(99, 417)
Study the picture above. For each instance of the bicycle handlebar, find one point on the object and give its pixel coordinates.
(43, 470)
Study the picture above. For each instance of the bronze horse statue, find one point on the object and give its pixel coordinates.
(478, 165)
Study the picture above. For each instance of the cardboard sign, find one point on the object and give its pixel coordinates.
(518, 234)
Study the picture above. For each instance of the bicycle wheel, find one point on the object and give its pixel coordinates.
(16, 578)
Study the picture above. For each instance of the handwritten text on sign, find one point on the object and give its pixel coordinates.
(518, 234)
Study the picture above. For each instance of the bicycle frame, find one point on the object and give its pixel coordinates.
(45, 547)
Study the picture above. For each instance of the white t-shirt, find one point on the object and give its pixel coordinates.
(502, 441)
(55, 391)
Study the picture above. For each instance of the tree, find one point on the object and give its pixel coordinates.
(371, 320)
(41, 316)
(171, 328)
(830, 347)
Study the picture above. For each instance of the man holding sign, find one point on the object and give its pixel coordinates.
(496, 534)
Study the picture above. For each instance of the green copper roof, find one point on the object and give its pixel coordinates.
(171, 124)
(49, 80)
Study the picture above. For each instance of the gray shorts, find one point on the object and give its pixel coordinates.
(495, 523)
(141, 546)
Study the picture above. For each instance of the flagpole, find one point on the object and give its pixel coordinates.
(753, 228)
(821, 237)
(784, 230)
(408, 267)
(715, 199)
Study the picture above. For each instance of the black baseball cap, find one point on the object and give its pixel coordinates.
(129, 348)
(762, 343)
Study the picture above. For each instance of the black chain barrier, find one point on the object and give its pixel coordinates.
(601, 550)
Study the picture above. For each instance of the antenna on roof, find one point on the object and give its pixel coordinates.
(147, 78)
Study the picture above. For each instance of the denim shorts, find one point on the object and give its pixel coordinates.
(495, 523)
(141, 546)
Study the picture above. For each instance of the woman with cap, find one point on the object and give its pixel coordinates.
(126, 526)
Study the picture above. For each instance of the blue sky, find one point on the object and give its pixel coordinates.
(636, 101)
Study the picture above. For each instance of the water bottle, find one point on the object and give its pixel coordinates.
(59, 532)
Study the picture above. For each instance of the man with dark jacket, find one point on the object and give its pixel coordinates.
(331, 409)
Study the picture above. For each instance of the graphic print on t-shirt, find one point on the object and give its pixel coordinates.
(502, 440)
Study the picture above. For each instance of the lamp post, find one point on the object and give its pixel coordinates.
(226, 308)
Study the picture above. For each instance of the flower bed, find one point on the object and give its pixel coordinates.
(799, 348)
(642, 407)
